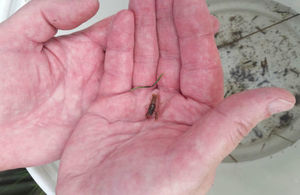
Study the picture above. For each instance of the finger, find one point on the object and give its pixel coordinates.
(169, 61)
(39, 20)
(221, 129)
(146, 48)
(201, 76)
(118, 66)
(98, 32)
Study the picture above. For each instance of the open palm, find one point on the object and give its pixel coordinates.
(115, 149)
(47, 83)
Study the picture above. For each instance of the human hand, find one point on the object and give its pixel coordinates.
(116, 150)
(47, 83)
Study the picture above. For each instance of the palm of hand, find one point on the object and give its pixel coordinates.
(114, 142)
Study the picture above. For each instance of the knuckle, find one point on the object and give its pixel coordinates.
(242, 129)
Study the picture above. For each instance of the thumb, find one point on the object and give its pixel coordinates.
(220, 131)
(39, 20)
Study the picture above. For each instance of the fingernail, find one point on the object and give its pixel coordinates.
(280, 105)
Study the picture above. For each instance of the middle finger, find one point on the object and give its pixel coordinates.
(146, 47)
(169, 61)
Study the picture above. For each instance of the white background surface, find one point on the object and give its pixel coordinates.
(276, 175)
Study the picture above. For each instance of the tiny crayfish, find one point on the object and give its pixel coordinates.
(153, 107)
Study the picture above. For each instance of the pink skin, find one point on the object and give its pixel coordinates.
(114, 149)
(47, 83)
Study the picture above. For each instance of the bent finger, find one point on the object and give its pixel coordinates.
(39, 20)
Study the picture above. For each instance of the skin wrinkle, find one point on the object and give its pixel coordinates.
(188, 103)
(111, 153)
(89, 78)
(175, 122)
(144, 59)
(242, 131)
(88, 69)
(112, 121)
(193, 67)
(202, 103)
(108, 155)
(92, 71)
(169, 89)
(158, 45)
(146, 20)
(44, 52)
(120, 50)
(46, 48)
(93, 41)
(60, 71)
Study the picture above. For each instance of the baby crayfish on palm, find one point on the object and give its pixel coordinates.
(153, 107)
